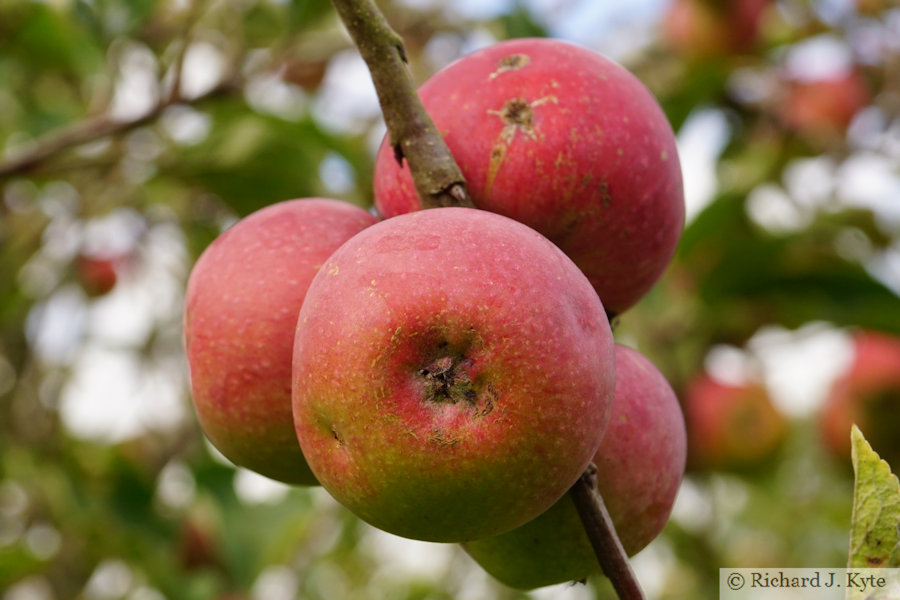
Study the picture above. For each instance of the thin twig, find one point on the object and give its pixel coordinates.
(94, 128)
(413, 135)
(600, 530)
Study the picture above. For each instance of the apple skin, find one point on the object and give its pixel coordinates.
(241, 305)
(566, 141)
(731, 427)
(640, 465)
(868, 394)
(453, 374)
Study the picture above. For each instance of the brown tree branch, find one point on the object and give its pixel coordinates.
(94, 128)
(602, 533)
(437, 177)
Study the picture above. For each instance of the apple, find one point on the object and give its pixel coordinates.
(97, 274)
(731, 426)
(868, 394)
(242, 300)
(705, 29)
(640, 464)
(566, 141)
(453, 374)
(823, 107)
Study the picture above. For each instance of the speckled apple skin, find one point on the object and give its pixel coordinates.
(241, 305)
(595, 168)
(640, 465)
(531, 337)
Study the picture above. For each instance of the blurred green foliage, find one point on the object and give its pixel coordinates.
(151, 512)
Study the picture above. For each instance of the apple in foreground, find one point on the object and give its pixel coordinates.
(640, 464)
(868, 394)
(453, 374)
(731, 426)
(568, 142)
(241, 306)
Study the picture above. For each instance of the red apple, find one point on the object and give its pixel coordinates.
(97, 274)
(867, 394)
(731, 427)
(824, 107)
(241, 308)
(453, 374)
(640, 465)
(705, 29)
(566, 141)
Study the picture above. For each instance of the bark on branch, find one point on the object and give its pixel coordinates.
(94, 128)
(600, 530)
(413, 135)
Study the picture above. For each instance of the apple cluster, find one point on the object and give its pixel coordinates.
(448, 374)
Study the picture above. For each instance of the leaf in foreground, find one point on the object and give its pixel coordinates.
(874, 534)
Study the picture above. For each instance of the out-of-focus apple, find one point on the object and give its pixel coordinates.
(731, 427)
(704, 29)
(823, 108)
(97, 274)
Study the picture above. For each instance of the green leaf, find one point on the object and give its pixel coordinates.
(874, 533)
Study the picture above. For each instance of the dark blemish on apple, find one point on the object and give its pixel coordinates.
(498, 153)
(336, 436)
(605, 196)
(447, 380)
(517, 112)
(512, 62)
(441, 438)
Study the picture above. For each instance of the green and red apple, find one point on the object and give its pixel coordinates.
(453, 373)
(640, 464)
(241, 306)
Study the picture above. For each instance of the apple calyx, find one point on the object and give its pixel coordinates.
(447, 380)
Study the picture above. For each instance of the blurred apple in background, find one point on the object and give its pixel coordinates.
(97, 273)
(868, 394)
(704, 29)
(823, 107)
(730, 427)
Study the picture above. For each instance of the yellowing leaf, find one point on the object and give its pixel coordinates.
(874, 533)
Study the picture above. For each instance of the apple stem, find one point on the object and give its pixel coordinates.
(602, 533)
(413, 135)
